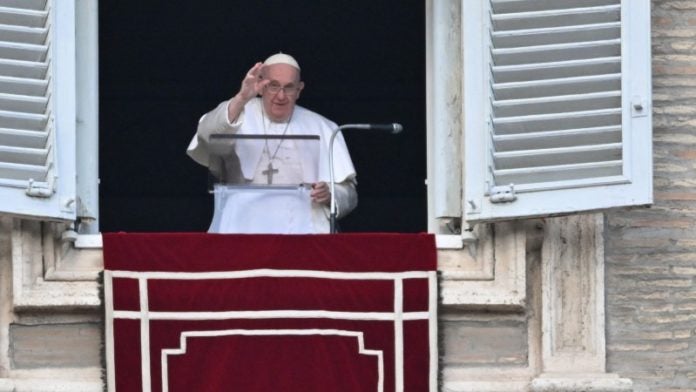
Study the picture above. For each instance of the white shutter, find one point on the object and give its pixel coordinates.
(37, 108)
(557, 106)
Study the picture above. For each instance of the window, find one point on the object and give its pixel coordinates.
(37, 109)
(48, 115)
(557, 107)
(551, 114)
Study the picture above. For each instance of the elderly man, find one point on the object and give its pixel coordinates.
(281, 160)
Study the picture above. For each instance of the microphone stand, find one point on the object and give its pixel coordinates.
(392, 128)
(332, 181)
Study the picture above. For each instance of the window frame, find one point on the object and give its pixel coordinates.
(447, 180)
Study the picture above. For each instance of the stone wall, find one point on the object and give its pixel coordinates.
(651, 253)
(50, 337)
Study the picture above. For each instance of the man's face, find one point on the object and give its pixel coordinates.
(279, 96)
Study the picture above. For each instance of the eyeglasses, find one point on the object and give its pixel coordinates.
(289, 90)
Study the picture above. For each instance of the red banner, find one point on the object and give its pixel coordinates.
(207, 312)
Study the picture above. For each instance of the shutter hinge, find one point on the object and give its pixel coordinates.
(39, 189)
(502, 193)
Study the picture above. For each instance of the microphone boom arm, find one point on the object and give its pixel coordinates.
(392, 128)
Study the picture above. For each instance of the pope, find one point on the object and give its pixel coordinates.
(266, 103)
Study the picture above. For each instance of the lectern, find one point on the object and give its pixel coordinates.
(274, 203)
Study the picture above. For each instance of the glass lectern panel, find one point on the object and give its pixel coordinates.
(262, 183)
(262, 159)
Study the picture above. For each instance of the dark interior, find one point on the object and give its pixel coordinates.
(163, 64)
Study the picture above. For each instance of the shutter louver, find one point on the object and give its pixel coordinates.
(556, 91)
(25, 135)
(37, 108)
(559, 77)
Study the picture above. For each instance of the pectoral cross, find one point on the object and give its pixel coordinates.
(269, 172)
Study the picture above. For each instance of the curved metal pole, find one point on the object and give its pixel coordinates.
(332, 184)
(333, 210)
(392, 128)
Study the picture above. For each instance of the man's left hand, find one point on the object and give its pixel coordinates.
(321, 193)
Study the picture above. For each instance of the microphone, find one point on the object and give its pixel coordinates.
(393, 128)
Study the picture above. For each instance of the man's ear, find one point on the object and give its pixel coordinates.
(301, 87)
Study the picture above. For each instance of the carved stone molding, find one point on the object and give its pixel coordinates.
(49, 273)
(488, 273)
(457, 377)
(54, 385)
(587, 382)
(573, 334)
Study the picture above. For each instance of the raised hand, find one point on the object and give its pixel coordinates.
(253, 83)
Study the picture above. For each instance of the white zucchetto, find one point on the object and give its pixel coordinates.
(282, 58)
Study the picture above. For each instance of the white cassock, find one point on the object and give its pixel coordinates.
(296, 161)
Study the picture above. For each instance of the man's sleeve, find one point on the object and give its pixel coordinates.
(213, 122)
(346, 197)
